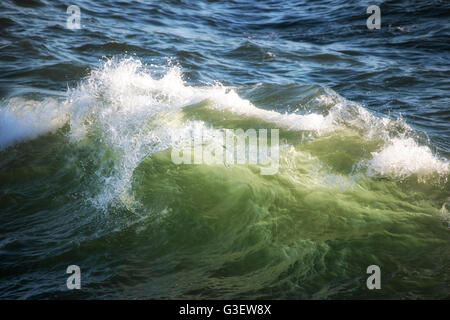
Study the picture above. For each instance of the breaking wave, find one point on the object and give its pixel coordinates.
(136, 110)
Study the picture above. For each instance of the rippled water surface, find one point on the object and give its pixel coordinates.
(89, 119)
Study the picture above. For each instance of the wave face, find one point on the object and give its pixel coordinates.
(86, 169)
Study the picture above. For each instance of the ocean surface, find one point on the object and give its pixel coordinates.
(89, 118)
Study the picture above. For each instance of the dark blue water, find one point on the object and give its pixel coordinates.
(279, 55)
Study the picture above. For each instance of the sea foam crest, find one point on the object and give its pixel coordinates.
(22, 119)
(404, 157)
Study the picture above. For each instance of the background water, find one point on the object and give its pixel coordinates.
(88, 119)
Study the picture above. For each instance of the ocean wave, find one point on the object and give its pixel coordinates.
(125, 103)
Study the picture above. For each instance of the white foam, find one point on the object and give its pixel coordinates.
(404, 157)
(230, 100)
(22, 119)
